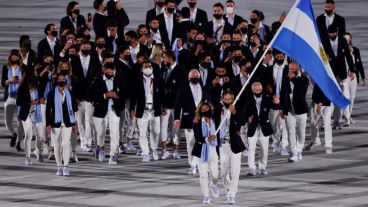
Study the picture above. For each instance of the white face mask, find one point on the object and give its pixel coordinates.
(147, 71)
(229, 10)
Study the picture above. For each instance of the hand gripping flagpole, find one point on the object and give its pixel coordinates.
(255, 69)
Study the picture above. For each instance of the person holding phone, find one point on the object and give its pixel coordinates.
(12, 72)
(73, 21)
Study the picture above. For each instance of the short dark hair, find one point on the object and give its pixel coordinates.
(203, 55)
(185, 12)
(170, 54)
(219, 5)
(122, 49)
(97, 3)
(230, 1)
(170, 1)
(329, 2)
(70, 6)
(112, 23)
(132, 34)
(48, 28)
(109, 66)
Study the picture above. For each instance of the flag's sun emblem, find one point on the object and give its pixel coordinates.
(323, 54)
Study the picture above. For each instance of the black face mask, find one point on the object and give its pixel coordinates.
(227, 105)
(64, 72)
(160, 4)
(279, 61)
(170, 10)
(100, 45)
(109, 76)
(217, 16)
(258, 95)
(61, 83)
(253, 44)
(253, 20)
(127, 57)
(54, 33)
(329, 12)
(200, 42)
(85, 52)
(192, 4)
(206, 114)
(237, 59)
(206, 65)
(236, 43)
(194, 80)
(27, 45)
(87, 37)
(12, 62)
(76, 12)
(221, 76)
(244, 30)
(333, 38)
(154, 29)
(226, 41)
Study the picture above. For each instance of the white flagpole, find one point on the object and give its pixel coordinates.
(255, 68)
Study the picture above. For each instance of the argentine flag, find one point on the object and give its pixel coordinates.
(298, 37)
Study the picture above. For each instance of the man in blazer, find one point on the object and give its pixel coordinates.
(218, 26)
(259, 126)
(73, 21)
(168, 24)
(108, 102)
(154, 12)
(231, 18)
(205, 69)
(275, 79)
(327, 19)
(174, 78)
(197, 15)
(187, 101)
(294, 109)
(99, 19)
(146, 106)
(342, 66)
(47, 45)
(29, 56)
(86, 68)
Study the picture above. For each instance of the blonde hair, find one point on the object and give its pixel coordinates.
(58, 69)
(156, 50)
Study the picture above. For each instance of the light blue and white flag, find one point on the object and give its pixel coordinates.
(298, 37)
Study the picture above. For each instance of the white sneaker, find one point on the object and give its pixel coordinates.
(192, 171)
(146, 158)
(165, 155)
(176, 155)
(113, 160)
(215, 191)
(294, 157)
(329, 150)
(284, 152)
(88, 148)
(245, 153)
(206, 200)
(28, 161)
(275, 147)
(66, 171)
(36, 152)
(154, 155)
(231, 201)
(59, 171)
(101, 155)
(300, 156)
(228, 195)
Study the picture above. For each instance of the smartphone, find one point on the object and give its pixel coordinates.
(89, 15)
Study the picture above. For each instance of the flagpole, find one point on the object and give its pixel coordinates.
(255, 69)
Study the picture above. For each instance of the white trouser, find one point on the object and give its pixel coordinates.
(279, 128)
(113, 122)
(61, 140)
(243, 134)
(326, 112)
(230, 168)
(352, 84)
(153, 121)
(28, 130)
(43, 111)
(131, 122)
(10, 109)
(296, 124)
(85, 125)
(252, 142)
(337, 112)
(189, 137)
(165, 126)
(208, 170)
